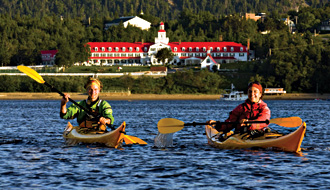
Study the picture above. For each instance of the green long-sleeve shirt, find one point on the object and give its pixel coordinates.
(73, 111)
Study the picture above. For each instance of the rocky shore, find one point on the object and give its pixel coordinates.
(124, 96)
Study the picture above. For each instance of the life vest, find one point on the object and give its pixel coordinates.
(91, 122)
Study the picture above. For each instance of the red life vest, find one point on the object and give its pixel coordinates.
(251, 111)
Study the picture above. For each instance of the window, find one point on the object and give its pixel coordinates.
(116, 49)
(225, 49)
(110, 61)
(241, 48)
(123, 48)
(232, 49)
(130, 55)
(241, 54)
(137, 48)
(175, 49)
(123, 61)
(109, 48)
(190, 49)
(96, 49)
(123, 54)
(183, 55)
(145, 49)
(103, 49)
(219, 55)
(191, 54)
(197, 48)
(197, 54)
(211, 48)
(218, 49)
(208, 61)
(110, 55)
(130, 49)
(204, 48)
(232, 54)
(183, 49)
(225, 54)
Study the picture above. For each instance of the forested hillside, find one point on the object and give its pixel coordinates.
(164, 9)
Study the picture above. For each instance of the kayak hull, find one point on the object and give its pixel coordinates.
(288, 143)
(112, 139)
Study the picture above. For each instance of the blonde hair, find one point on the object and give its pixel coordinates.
(91, 81)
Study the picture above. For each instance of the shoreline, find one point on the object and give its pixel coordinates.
(125, 96)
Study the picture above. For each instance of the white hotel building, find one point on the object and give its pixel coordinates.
(185, 53)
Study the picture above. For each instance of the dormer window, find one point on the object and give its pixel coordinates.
(232, 49)
(211, 48)
(109, 49)
(130, 49)
(183, 49)
(241, 48)
(204, 48)
(137, 48)
(197, 48)
(190, 48)
(103, 49)
(96, 49)
(175, 49)
(116, 49)
(145, 49)
(218, 49)
(123, 48)
(225, 49)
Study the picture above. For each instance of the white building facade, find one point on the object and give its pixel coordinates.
(140, 53)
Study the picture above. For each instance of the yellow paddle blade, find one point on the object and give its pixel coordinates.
(31, 73)
(169, 125)
(287, 122)
(133, 140)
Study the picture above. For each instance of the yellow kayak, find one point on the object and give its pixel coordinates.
(74, 135)
(288, 143)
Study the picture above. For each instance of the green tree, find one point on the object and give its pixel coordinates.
(165, 54)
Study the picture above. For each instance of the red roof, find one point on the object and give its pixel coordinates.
(51, 52)
(200, 45)
(120, 45)
(217, 47)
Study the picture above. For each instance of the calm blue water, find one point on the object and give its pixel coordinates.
(33, 154)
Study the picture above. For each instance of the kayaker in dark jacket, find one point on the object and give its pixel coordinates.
(253, 109)
(93, 102)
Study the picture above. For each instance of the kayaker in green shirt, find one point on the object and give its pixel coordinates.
(100, 108)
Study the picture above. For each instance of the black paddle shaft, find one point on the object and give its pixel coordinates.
(89, 113)
(224, 123)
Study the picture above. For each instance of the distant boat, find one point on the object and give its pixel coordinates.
(234, 95)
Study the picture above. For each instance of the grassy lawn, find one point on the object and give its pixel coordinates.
(106, 69)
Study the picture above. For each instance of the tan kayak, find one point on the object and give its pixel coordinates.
(74, 135)
(288, 143)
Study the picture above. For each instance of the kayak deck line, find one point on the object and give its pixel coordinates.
(112, 139)
(287, 143)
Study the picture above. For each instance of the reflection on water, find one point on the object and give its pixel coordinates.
(33, 154)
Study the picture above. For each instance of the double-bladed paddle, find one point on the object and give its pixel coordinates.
(171, 125)
(34, 75)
